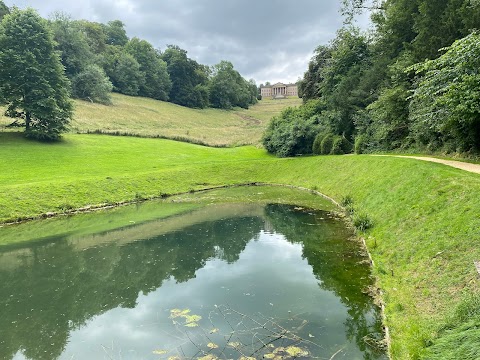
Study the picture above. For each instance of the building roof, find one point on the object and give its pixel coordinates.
(277, 84)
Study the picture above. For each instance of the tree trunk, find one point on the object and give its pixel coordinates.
(28, 118)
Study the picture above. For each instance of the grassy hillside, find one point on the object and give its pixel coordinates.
(151, 118)
(426, 218)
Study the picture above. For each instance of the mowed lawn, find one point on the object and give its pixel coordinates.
(426, 216)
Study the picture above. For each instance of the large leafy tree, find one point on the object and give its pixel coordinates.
(157, 82)
(32, 80)
(229, 89)
(445, 109)
(189, 78)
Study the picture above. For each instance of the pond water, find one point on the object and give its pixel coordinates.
(220, 280)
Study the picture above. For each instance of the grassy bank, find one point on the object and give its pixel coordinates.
(426, 215)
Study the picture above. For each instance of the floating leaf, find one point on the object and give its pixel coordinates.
(179, 313)
(208, 357)
(192, 318)
(176, 357)
(269, 356)
(247, 358)
(159, 352)
(212, 346)
(191, 325)
(213, 331)
(234, 345)
(295, 351)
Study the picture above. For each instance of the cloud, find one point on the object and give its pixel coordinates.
(265, 40)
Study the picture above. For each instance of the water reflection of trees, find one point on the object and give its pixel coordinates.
(59, 288)
(60, 285)
(335, 263)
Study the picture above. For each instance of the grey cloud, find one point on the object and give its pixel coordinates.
(268, 40)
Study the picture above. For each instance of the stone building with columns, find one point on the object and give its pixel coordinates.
(279, 90)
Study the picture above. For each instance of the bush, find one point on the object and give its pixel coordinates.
(92, 84)
(362, 222)
(340, 146)
(294, 131)
(317, 144)
(326, 144)
(359, 144)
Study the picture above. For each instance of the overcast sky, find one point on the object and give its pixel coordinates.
(267, 40)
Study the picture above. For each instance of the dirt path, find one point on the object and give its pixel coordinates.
(474, 168)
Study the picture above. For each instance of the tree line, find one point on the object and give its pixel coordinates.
(45, 62)
(411, 83)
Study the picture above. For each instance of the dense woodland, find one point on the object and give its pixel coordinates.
(412, 84)
(61, 57)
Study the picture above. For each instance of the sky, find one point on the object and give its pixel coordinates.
(266, 40)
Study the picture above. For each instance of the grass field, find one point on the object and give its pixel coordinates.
(151, 118)
(146, 117)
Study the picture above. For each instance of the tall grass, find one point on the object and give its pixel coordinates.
(151, 118)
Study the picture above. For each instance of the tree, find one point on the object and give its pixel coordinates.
(189, 78)
(33, 84)
(92, 84)
(229, 89)
(123, 71)
(445, 107)
(157, 84)
(310, 85)
(3, 10)
(115, 33)
(71, 43)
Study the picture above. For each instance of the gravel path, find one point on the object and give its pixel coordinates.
(474, 168)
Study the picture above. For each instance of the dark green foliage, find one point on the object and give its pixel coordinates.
(115, 33)
(32, 80)
(362, 221)
(294, 131)
(326, 144)
(189, 78)
(3, 10)
(229, 89)
(92, 84)
(359, 144)
(445, 107)
(157, 84)
(316, 147)
(341, 145)
(72, 44)
(310, 87)
(123, 71)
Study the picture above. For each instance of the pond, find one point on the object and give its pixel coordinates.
(188, 278)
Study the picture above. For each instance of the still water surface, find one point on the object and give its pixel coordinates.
(255, 280)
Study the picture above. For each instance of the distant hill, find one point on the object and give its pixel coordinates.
(152, 118)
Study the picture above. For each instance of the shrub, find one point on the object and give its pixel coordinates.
(317, 144)
(294, 131)
(326, 144)
(362, 222)
(359, 146)
(341, 146)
